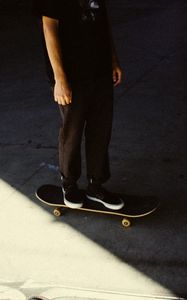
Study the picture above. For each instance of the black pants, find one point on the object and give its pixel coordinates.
(90, 113)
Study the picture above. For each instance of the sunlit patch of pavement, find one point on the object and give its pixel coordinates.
(7, 293)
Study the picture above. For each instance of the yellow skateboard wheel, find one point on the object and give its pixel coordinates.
(126, 223)
(57, 212)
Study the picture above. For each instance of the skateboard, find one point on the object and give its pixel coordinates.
(134, 207)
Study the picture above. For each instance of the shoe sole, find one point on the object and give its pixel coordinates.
(70, 204)
(110, 206)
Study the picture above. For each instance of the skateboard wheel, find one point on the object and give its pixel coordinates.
(57, 212)
(126, 223)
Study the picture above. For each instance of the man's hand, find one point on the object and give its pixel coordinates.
(62, 92)
(117, 72)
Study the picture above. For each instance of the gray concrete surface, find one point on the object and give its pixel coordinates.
(86, 256)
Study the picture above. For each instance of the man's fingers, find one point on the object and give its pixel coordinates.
(70, 97)
(67, 99)
(62, 93)
(60, 100)
(117, 77)
(114, 77)
(63, 100)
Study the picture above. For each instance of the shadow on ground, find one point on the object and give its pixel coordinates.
(148, 149)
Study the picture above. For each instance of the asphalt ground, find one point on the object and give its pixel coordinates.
(88, 256)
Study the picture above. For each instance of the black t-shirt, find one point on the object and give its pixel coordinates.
(84, 36)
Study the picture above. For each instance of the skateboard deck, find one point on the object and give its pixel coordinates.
(134, 207)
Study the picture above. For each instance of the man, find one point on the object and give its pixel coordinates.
(82, 66)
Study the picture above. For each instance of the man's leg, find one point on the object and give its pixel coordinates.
(70, 137)
(98, 130)
(98, 134)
